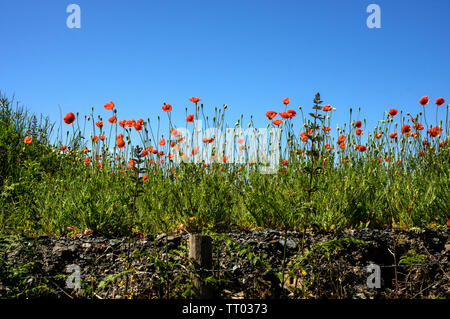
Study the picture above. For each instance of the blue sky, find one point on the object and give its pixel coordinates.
(246, 54)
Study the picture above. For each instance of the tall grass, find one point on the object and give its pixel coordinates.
(82, 180)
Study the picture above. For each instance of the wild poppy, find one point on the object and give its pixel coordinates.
(358, 124)
(327, 108)
(208, 140)
(225, 159)
(175, 133)
(69, 118)
(138, 127)
(99, 124)
(167, 107)
(285, 162)
(140, 122)
(362, 148)
(194, 99)
(271, 114)
(342, 145)
(440, 101)
(286, 101)
(240, 141)
(423, 100)
(393, 112)
(406, 129)
(417, 126)
(120, 143)
(341, 139)
(131, 163)
(195, 150)
(109, 105)
(162, 142)
(277, 122)
(285, 115)
(425, 143)
(393, 135)
(434, 131)
(291, 113)
(241, 147)
(28, 139)
(154, 151)
(190, 118)
(95, 139)
(326, 128)
(112, 120)
(63, 148)
(123, 123)
(443, 143)
(173, 143)
(144, 153)
(145, 177)
(102, 137)
(359, 132)
(87, 160)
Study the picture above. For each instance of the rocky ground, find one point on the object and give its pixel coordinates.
(246, 264)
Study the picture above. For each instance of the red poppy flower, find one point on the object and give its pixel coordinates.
(154, 151)
(138, 127)
(225, 159)
(99, 124)
(145, 177)
(440, 101)
(28, 139)
(393, 135)
(327, 108)
(277, 122)
(120, 143)
(406, 129)
(144, 153)
(102, 137)
(358, 124)
(342, 145)
(425, 143)
(208, 140)
(140, 122)
(291, 113)
(362, 148)
(341, 139)
(285, 115)
(423, 100)
(123, 123)
(417, 126)
(167, 107)
(443, 143)
(326, 128)
(69, 118)
(271, 114)
(63, 148)
(378, 135)
(87, 160)
(109, 105)
(240, 141)
(112, 120)
(162, 142)
(194, 99)
(434, 131)
(195, 150)
(95, 139)
(359, 132)
(393, 112)
(131, 163)
(286, 101)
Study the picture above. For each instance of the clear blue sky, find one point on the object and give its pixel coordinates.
(247, 54)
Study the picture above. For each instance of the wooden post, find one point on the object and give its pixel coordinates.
(200, 251)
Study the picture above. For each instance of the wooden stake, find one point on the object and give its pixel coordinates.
(200, 251)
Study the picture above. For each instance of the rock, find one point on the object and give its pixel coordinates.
(290, 244)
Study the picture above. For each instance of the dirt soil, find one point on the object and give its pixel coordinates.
(246, 264)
